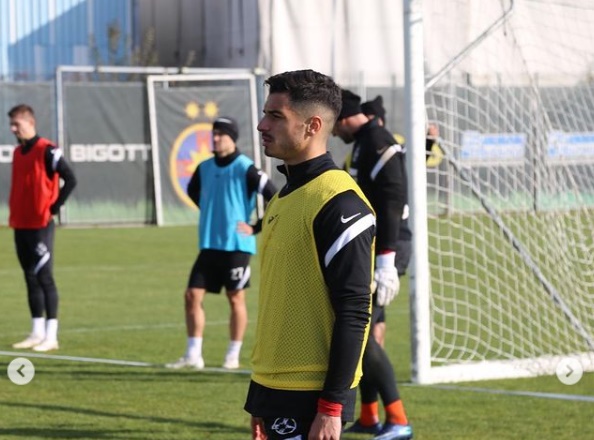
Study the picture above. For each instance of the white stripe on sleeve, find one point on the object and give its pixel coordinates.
(57, 153)
(348, 235)
(384, 158)
(263, 182)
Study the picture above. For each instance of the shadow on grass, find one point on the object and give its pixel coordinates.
(118, 373)
(66, 433)
(27, 432)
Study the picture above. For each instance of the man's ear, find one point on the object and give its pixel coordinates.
(314, 125)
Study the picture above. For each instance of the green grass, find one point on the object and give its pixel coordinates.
(121, 298)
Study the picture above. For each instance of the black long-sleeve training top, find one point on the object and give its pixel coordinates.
(348, 277)
(55, 163)
(380, 167)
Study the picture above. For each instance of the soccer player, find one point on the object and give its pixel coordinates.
(377, 163)
(224, 188)
(316, 271)
(375, 109)
(35, 197)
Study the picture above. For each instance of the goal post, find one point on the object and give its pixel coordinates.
(502, 278)
(415, 159)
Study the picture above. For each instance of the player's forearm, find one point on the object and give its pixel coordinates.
(346, 349)
(349, 280)
(389, 218)
(67, 175)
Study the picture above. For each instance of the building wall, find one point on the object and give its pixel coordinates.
(201, 33)
(354, 39)
(38, 35)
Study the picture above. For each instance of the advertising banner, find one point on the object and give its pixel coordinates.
(493, 148)
(563, 147)
(108, 147)
(184, 120)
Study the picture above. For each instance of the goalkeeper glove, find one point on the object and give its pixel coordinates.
(386, 278)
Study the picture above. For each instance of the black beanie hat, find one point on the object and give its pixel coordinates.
(375, 107)
(227, 126)
(351, 104)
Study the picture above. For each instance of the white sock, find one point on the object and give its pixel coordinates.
(233, 350)
(194, 348)
(51, 330)
(38, 327)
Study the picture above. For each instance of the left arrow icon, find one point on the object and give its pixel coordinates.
(21, 371)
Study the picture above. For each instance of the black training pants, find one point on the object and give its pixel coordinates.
(34, 248)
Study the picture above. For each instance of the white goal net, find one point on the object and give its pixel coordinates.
(511, 205)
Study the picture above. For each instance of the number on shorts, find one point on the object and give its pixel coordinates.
(237, 273)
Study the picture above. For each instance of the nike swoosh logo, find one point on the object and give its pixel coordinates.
(348, 219)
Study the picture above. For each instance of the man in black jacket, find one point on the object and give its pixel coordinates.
(378, 166)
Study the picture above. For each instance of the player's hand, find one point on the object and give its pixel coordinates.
(386, 279)
(258, 432)
(244, 228)
(54, 209)
(325, 427)
(432, 131)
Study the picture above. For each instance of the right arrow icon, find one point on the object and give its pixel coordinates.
(569, 371)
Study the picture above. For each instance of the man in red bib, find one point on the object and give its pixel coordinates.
(35, 197)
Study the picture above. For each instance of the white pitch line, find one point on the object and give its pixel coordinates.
(76, 359)
(554, 396)
(113, 362)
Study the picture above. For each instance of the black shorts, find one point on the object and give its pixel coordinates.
(278, 428)
(301, 406)
(214, 269)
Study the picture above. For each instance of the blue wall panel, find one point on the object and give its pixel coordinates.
(38, 35)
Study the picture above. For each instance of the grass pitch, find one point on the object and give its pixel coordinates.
(121, 300)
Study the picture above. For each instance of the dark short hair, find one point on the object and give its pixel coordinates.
(21, 109)
(307, 87)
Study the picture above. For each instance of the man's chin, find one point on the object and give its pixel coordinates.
(268, 152)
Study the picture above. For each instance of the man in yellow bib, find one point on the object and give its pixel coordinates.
(316, 271)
